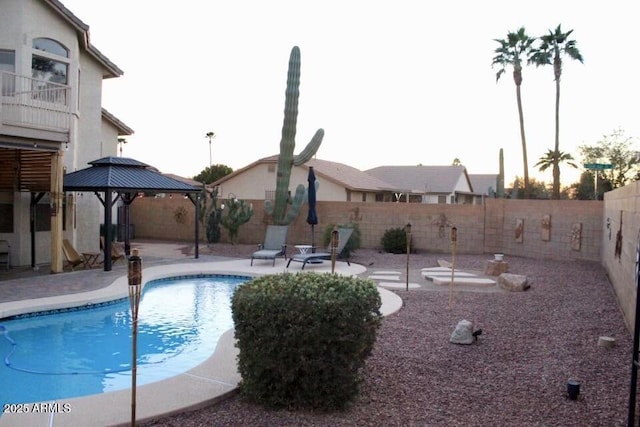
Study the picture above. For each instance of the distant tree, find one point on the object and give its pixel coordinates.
(550, 160)
(213, 173)
(585, 188)
(456, 162)
(615, 149)
(513, 52)
(537, 189)
(554, 45)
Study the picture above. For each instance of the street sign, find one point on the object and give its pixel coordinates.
(598, 166)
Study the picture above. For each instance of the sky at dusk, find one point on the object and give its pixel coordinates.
(391, 83)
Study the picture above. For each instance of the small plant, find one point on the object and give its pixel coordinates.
(304, 338)
(237, 213)
(394, 241)
(351, 246)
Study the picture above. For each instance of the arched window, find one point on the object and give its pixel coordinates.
(50, 68)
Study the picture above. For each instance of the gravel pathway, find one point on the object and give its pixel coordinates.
(514, 375)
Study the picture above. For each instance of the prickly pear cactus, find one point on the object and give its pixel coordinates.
(286, 159)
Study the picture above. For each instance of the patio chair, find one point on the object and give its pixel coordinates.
(274, 244)
(5, 254)
(345, 235)
(116, 255)
(73, 257)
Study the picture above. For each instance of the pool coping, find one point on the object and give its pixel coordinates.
(208, 382)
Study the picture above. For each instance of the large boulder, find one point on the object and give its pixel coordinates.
(513, 282)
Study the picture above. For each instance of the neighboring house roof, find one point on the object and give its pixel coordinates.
(122, 128)
(183, 179)
(422, 179)
(83, 33)
(482, 183)
(349, 177)
(122, 174)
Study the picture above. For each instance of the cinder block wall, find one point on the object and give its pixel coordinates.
(487, 228)
(622, 218)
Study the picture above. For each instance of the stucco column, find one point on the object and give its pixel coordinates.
(56, 212)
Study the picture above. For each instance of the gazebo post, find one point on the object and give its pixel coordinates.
(108, 205)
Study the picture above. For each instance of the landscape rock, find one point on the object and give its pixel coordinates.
(496, 268)
(463, 333)
(513, 282)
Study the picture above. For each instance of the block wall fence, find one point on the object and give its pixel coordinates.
(488, 228)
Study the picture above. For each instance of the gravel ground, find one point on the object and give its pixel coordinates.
(514, 375)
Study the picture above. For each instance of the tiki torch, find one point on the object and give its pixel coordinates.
(135, 286)
(408, 234)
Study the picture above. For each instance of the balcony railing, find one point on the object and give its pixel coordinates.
(33, 103)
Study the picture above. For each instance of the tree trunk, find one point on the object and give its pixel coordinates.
(556, 160)
(527, 190)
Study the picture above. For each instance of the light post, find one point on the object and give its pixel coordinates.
(407, 229)
(135, 286)
(210, 135)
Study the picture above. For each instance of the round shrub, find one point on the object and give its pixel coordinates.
(394, 240)
(303, 338)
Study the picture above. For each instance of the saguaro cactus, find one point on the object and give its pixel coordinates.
(500, 183)
(286, 159)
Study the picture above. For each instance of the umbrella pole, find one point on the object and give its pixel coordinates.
(313, 238)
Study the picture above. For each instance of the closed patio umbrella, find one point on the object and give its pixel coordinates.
(312, 216)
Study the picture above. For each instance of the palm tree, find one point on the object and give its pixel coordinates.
(551, 159)
(554, 45)
(513, 51)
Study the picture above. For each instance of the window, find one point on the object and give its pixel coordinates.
(50, 68)
(442, 199)
(8, 64)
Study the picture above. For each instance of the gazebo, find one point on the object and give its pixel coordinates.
(113, 178)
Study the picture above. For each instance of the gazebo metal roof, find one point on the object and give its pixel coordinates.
(125, 177)
(122, 174)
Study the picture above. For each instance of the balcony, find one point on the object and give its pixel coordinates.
(34, 108)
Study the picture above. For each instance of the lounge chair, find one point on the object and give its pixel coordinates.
(274, 244)
(345, 234)
(5, 254)
(116, 255)
(73, 257)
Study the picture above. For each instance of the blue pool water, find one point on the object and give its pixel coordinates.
(88, 351)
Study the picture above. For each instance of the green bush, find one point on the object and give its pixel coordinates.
(303, 338)
(352, 245)
(394, 240)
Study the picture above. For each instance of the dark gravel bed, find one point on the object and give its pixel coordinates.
(514, 375)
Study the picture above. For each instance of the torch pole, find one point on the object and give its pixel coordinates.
(135, 287)
(335, 240)
(454, 243)
(408, 234)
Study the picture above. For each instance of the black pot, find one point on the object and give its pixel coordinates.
(573, 389)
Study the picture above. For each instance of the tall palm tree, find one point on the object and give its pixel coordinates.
(554, 45)
(552, 158)
(514, 51)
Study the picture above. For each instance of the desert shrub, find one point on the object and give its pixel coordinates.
(352, 244)
(303, 338)
(394, 240)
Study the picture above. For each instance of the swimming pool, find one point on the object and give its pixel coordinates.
(88, 351)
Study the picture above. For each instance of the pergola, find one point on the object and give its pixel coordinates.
(113, 178)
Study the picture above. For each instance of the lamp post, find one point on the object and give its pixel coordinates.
(407, 229)
(135, 286)
(210, 135)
